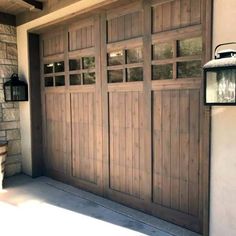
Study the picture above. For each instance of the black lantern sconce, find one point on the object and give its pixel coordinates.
(220, 78)
(15, 90)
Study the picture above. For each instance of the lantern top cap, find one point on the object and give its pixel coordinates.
(221, 63)
(14, 81)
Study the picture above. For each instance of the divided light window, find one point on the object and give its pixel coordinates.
(54, 74)
(82, 70)
(177, 59)
(125, 65)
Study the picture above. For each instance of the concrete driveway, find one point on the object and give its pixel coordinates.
(45, 207)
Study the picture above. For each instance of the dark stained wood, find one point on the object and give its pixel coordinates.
(35, 105)
(140, 143)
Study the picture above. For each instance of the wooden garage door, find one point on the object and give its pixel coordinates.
(123, 111)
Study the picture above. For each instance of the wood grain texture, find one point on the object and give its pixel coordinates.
(176, 14)
(83, 136)
(176, 149)
(125, 141)
(56, 133)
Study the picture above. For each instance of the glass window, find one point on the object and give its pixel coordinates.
(48, 81)
(88, 62)
(134, 55)
(59, 66)
(60, 80)
(162, 51)
(115, 58)
(189, 69)
(89, 78)
(74, 64)
(75, 79)
(135, 74)
(115, 76)
(190, 47)
(161, 72)
(48, 68)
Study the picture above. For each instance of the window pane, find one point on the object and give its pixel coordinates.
(115, 76)
(162, 51)
(115, 58)
(135, 74)
(75, 79)
(190, 47)
(89, 78)
(48, 68)
(189, 69)
(60, 80)
(88, 62)
(48, 81)
(59, 66)
(221, 86)
(160, 72)
(134, 55)
(74, 64)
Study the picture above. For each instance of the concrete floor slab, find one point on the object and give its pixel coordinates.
(43, 206)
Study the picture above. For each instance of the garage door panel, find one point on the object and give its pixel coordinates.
(56, 132)
(126, 141)
(83, 136)
(176, 124)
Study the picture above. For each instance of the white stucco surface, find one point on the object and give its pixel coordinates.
(23, 68)
(223, 144)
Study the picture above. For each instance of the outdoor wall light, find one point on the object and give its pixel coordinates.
(220, 78)
(15, 89)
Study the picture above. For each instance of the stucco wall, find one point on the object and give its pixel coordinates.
(223, 145)
(9, 111)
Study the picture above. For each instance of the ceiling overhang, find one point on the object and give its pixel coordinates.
(30, 4)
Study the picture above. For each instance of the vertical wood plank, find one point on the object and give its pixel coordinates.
(109, 31)
(194, 153)
(175, 14)
(122, 141)
(129, 141)
(116, 161)
(114, 30)
(174, 119)
(111, 140)
(84, 37)
(195, 12)
(157, 147)
(166, 128)
(128, 26)
(121, 28)
(89, 36)
(166, 16)
(185, 12)
(184, 149)
(136, 167)
(147, 109)
(159, 18)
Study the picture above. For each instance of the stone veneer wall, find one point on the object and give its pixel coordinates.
(9, 112)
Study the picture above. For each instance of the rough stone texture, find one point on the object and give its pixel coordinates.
(14, 147)
(9, 125)
(9, 112)
(13, 134)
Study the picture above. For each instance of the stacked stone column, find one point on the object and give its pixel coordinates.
(9, 112)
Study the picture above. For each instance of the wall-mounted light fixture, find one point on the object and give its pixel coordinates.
(15, 90)
(220, 78)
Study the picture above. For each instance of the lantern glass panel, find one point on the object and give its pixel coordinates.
(220, 86)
